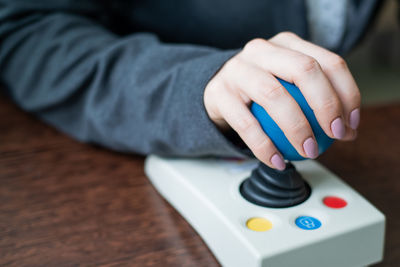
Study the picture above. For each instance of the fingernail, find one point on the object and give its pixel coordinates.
(337, 127)
(278, 162)
(311, 148)
(355, 118)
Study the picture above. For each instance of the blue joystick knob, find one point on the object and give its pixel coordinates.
(276, 134)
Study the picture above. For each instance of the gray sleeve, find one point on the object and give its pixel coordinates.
(130, 94)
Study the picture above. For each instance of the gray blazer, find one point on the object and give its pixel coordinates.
(129, 75)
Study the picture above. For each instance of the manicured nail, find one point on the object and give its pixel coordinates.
(311, 148)
(278, 162)
(355, 118)
(337, 127)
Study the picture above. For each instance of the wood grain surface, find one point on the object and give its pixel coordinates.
(63, 203)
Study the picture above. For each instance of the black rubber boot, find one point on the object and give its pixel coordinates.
(271, 188)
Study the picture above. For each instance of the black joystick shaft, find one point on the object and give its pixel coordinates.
(272, 188)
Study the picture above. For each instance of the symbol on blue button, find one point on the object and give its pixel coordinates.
(308, 223)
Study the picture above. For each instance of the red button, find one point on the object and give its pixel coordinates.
(334, 202)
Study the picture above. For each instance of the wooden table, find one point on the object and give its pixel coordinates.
(63, 203)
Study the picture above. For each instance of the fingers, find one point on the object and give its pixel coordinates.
(238, 116)
(336, 70)
(350, 134)
(322, 77)
(307, 74)
(265, 90)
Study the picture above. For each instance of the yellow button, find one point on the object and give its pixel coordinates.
(258, 224)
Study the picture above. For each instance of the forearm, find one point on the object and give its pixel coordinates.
(128, 93)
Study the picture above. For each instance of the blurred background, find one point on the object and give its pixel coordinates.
(375, 62)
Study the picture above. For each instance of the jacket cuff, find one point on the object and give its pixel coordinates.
(207, 138)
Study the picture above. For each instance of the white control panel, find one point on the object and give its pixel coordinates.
(334, 227)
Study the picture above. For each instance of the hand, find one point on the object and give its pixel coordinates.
(322, 76)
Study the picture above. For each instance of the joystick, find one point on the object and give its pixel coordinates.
(258, 216)
(272, 188)
(238, 209)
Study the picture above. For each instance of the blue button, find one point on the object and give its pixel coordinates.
(308, 223)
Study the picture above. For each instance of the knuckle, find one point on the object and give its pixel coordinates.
(299, 127)
(286, 35)
(307, 64)
(217, 85)
(246, 124)
(213, 87)
(271, 94)
(337, 63)
(232, 63)
(255, 44)
(331, 104)
(263, 147)
(353, 97)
